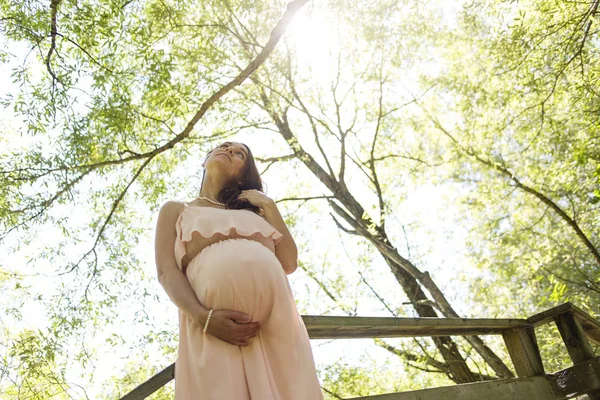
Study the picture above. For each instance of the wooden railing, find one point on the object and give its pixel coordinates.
(576, 328)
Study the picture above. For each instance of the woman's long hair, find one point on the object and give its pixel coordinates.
(250, 179)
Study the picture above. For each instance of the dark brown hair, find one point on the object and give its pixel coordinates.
(250, 179)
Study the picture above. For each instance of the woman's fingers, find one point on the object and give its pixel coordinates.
(246, 328)
(237, 333)
(237, 316)
(244, 340)
(248, 337)
(232, 327)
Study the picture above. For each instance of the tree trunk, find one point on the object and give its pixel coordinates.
(459, 371)
(404, 271)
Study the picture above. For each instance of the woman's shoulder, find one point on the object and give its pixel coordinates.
(173, 206)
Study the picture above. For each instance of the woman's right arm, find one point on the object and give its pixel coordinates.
(170, 276)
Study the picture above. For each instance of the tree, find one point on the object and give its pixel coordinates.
(401, 94)
(524, 126)
(337, 117)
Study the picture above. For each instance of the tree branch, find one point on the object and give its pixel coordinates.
(107, 220)
(343, 228)
(302, 198)
(311, 120)
(381, 300)
(45, 205)
(375, 179)
(53, 32)
(276, 34)
(504, 171)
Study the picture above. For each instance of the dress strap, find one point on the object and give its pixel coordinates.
(182, 208)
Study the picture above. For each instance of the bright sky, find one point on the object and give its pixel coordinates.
(426, 205)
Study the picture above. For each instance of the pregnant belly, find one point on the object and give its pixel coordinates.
(237, 274)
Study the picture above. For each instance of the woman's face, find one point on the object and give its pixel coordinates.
(229, 158)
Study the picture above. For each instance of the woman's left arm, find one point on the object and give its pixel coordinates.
(286, 251)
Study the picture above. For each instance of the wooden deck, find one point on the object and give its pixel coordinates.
(576, 328)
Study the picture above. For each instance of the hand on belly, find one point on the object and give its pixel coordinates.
(227, 325)
(240, 275)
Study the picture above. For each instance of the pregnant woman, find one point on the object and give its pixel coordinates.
(223, 259)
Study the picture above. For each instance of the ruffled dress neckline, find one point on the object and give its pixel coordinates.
(201, 226)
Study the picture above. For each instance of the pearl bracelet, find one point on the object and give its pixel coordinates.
(207, 320)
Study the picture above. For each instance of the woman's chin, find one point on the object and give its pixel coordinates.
(221, 164)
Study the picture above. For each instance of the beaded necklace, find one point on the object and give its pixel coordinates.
(210, 201)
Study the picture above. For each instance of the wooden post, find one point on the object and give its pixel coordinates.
(572, 334)
(524, 352)
(151, 385)
(576, 343)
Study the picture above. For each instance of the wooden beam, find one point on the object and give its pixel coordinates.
(548, 315)
(582, 378)
(534, 388)
(590, 325)
(334, 327)
(524, 352)
(574, 338)
(151, 385)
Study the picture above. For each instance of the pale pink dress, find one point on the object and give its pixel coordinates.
(232, 265)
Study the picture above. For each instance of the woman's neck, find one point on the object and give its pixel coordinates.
(211, 188)
(209, 193)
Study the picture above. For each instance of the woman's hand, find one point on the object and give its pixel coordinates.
(233, 327)
(256, 198)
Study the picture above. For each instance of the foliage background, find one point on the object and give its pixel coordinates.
(466, 130)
